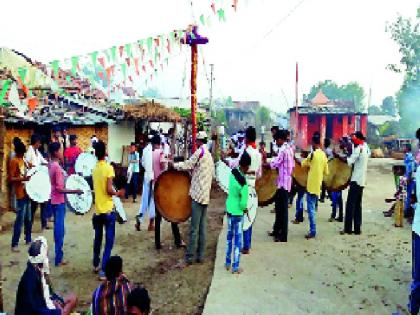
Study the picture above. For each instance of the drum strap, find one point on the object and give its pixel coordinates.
(239, 177)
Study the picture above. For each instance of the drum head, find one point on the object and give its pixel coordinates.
(38, 187)
(80, 204)
(222, 175)
(85, 164)
(300, 175)
(172, 195)
(266, 187)
(339, 175)
(252, 209)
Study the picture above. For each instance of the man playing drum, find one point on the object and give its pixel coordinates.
(104, 216)
(34, 158)
(71, 153)
(202, 166)
(359, 159)
(284, 163)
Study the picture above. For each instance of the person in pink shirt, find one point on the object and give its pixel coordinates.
(57, 177)
(159, 163)
(71, 154)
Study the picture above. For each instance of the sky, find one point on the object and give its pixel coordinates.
(254, 51)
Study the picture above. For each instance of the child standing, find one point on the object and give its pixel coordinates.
(236, 207)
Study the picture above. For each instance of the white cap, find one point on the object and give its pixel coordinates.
(201, 135)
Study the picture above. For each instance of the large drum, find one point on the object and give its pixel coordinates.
(172, 195)
(222, 175)
(266, 187)
(85, 164)
(300, 175)
(79, 204)
(339, 175)
(38, 187)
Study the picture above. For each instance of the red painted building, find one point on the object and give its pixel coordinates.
(332, 119)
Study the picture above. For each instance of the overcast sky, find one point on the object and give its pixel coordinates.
(254, 51)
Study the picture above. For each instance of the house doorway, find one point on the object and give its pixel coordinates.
(329, 127)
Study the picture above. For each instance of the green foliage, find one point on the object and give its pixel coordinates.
(407, 35)
(348, 92)
(388, 106)
(186, 113)
(218, 117)
(389, 128)
(374, 110)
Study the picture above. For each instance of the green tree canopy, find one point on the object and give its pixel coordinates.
(374, 110)
(406, 34)
(352, 91)
(388, 106)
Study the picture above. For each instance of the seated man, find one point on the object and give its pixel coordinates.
(35, 295)
(139, 302)
(110, 298)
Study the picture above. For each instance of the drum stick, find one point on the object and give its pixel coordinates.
(249, 218)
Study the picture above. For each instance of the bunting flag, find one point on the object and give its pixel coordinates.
(114, 53)
(130, 78)
(94, 57)
(74, 64)
(32, 104)
(149, 44)
(213, 7)
(157, 41)
(168, 45)
(235, 5)
(124, 70)
(127, 60)
(144, 68)
(121, 49)
(108, 74)
(15, 99)
(22, 73)
(101, 75)
(55, 65)
(102, 62)
(107, 55)
(202, 19)
(221, 14)
(128, 50)
(136, 65)
(68, 78)
(151, 63)
(3, 91)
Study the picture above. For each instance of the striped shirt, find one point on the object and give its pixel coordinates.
(284, 163)
(110, 298)
(202, 166)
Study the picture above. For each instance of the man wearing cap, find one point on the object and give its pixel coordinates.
(359, 160)
(202, 166)
(71, 154)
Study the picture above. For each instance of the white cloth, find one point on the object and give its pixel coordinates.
(147, 162)
(33, 157)
(256, 164)
(166, 149)
(359, 159)
(416, 220)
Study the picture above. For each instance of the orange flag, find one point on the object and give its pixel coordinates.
(108, 73)
(121, 50)
(136, 64)
(32, 103)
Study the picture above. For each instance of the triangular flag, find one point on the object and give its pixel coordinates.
(128, 50)
(101, 75)
(136, 65)
(221, 14)
(124, 70)
(102, 61)
(3, 91)
(108, 73)
(144, 68)
(151, 63)
(114, 53)
(172, 36)
(157, 42)
(168, 46)
(202, 19)
(127, 60)
(94, 56)
(235, 4)
(213, 7)
(54, 65)
(121, 49)
(68, 78)
(32, 103)
(74, 64)
(149, 44)
(107, 55)
(130, 78)
(22, 73)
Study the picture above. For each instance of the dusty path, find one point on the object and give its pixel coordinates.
(173, 291)
(333, 274)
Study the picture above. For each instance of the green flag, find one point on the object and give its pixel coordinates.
(149, 44)
(202, 19)
(114, 53)
(172, 36)
(3, 91)
(124, 70)
(55, 65)
(128, 50)
(94, 56)
(22, 73)
(108, 56)
(221, 14)
(68, 78)
(74, 64)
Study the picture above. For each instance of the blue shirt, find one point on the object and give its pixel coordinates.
(134, 157)
(410, 165)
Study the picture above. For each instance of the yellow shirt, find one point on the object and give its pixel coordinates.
(318, 167)
(100, 175)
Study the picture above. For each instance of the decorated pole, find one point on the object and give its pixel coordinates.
(193, 39)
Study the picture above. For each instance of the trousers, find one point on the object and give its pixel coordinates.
(101, 222)
(59, 212)
(147, 201)
(233, 241)
(282, 209)
(198, 232)
(23, 217)
(175, 232)
(353, 214)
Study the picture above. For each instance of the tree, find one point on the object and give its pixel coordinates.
(407, 35)
(348, 92)
(388, 106)
(219, 117)
(374, 110)
(151, 93)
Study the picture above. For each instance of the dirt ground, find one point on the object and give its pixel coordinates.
(333, 274)
(173, 291)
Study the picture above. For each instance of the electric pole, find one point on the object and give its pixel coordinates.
(211, 88)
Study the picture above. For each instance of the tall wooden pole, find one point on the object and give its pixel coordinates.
(194, 65)
(297, 104)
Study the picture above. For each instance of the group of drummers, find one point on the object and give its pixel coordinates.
(251, 163)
